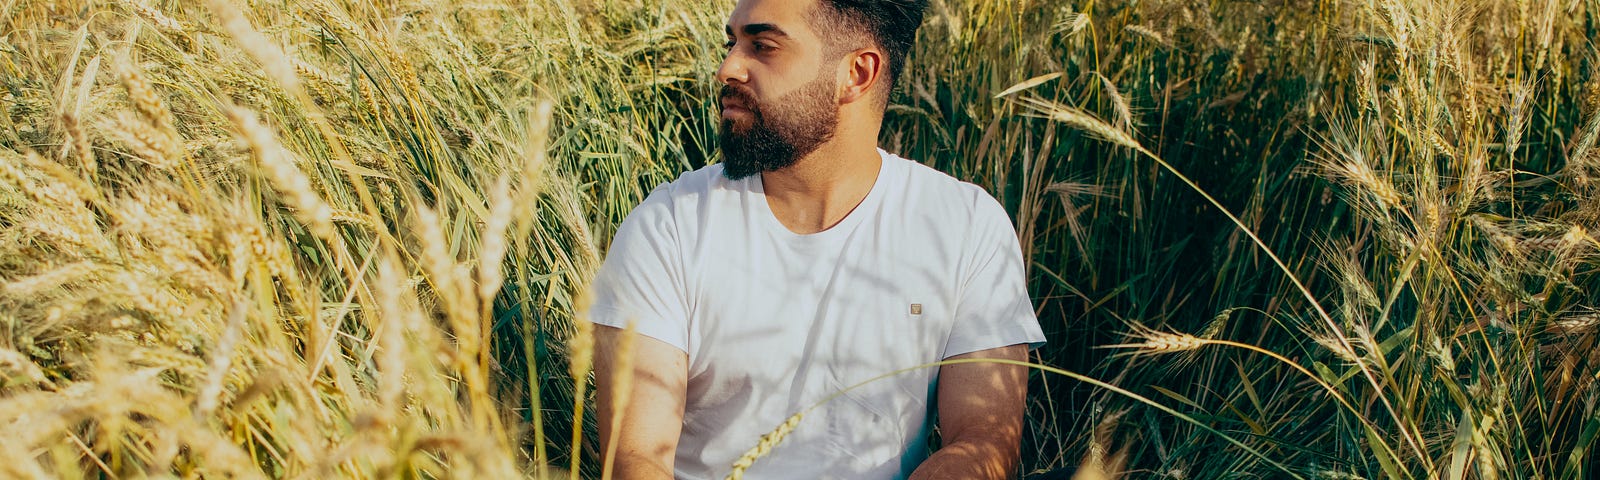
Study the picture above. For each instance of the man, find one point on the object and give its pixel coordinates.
(807, 262)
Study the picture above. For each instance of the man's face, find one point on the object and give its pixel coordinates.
(779, 91)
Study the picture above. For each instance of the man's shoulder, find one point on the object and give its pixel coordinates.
(691, 184)
(683, 194)
(932, 190)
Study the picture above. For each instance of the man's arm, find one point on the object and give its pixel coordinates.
(980, 417)
(647, 438)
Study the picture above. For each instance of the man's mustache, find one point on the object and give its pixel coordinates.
(739, 96)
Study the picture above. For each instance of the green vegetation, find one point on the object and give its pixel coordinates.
(1332, 239)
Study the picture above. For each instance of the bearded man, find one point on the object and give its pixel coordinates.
(807, 262)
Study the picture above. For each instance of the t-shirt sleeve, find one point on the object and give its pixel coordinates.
(642, 278)
(993, 308)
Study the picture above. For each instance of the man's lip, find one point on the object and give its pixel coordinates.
(730, 107)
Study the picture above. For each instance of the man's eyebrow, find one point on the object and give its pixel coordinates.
(754, 29)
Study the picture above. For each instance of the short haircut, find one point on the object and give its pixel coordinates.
(892, 24)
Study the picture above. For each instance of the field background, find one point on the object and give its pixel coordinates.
(307, 239)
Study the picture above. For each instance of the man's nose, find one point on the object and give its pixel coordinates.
(732, 70)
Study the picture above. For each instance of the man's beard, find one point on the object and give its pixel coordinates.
(779, 134)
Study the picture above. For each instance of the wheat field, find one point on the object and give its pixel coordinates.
(343, 239)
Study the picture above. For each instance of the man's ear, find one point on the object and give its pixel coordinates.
(864, 70)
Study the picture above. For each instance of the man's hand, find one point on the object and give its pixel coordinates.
(647, 436)
(980, 417)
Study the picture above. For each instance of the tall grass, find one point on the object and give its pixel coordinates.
(1337, 239)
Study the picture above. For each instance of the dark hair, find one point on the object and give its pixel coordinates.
(891, 23)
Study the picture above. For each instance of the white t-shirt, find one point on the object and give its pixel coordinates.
(925, 268)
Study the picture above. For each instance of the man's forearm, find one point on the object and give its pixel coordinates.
(644, 437)
(973, 459)
(639, 467)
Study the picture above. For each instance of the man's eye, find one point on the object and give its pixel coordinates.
(728, 45)
(761, 47)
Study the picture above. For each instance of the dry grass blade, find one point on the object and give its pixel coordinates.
(1027, 84)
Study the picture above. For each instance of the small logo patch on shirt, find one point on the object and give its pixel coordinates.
(916, 309)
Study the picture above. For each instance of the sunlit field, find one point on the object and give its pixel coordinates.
(317, 239)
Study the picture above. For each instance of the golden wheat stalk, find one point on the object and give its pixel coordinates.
(50, 280)
(145, 100)
(221, 358)
(764, 447)
(17, 369)
(289, 181)
(1148, 33)
(272, 59)
(79, 141)
(148, 145)
(1084, 122)
(1157, 342)
(154, 15)
(1118, 102)
(491, 272)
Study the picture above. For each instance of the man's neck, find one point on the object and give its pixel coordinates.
(821, 189)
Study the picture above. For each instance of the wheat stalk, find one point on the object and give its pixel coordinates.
(221, 359)
(764, 447)
(391, 294)
(1581, 153)
(146, 101)
(1084, 122)
(1157, 342)
(272, 59)
(18, 369)
(1148, 33)
(290, 182)
(347, 217)
(154, 16)
(150, 146)
(495, 245)
(79, 140)
(51, 279)
(1120, 103)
